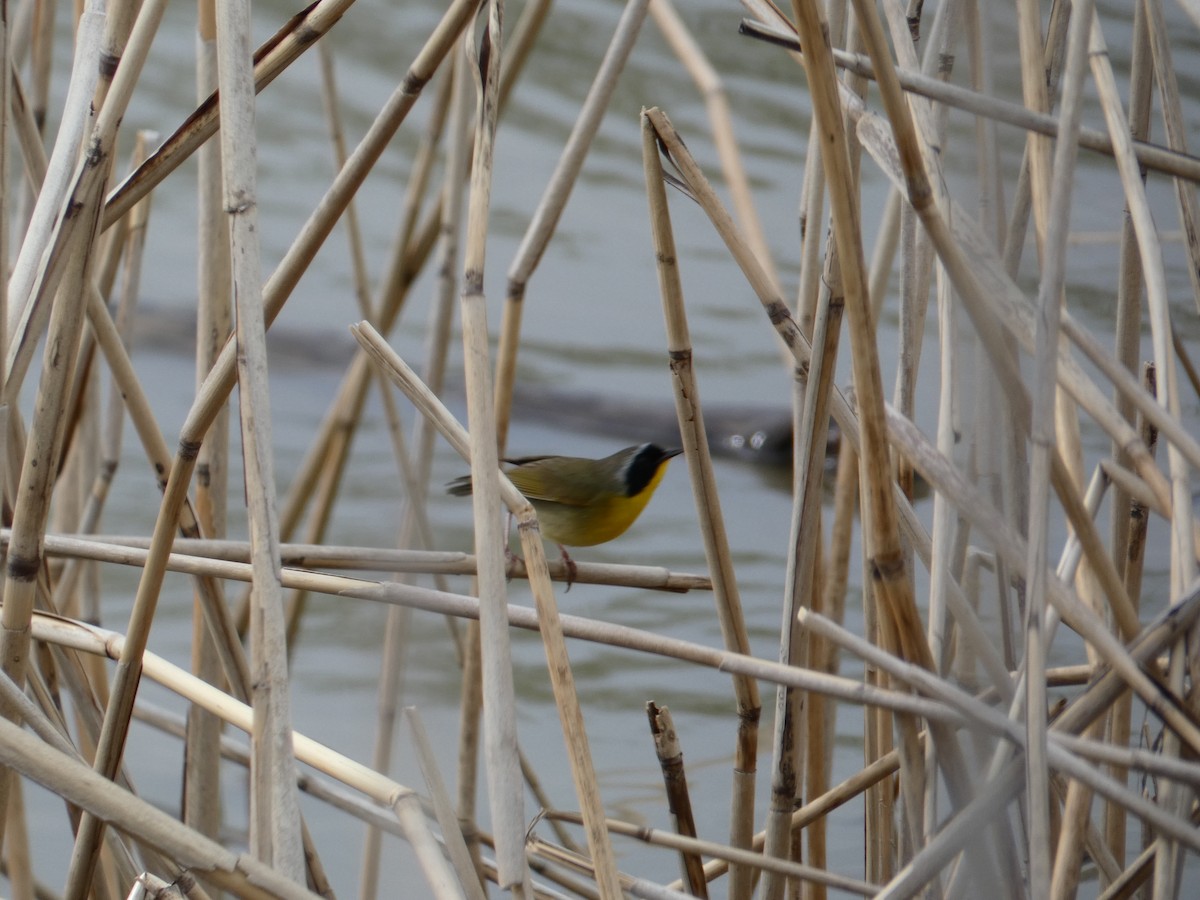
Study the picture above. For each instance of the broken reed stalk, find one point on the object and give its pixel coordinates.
(690, 414)
(670, 760)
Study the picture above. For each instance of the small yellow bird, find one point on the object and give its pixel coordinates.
(584, 502)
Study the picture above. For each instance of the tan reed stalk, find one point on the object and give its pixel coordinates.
(844, 689)
(1036, 95)
(812, 207)
(505, 795)
(1119, 718)
(1176, 137)
(777, 311)
(337, 138)
(997, 459)
(882, 845)
(562, 681)
(329, 556)
(420, 173)
(522, 38)
(820, 806)
(712, 88)
(55, 179)
(76, 239)
(944, 530)
(1183, 558)
(791, 871)
(470, 715)
(983, 517)
(670, 760)
(708, 505)
(889, 574)
(278, 52)
(214, 321)
(993, 720)
(456, 847)
(820, 730)
(804, 550)
(107, 455)
(1052, 200)
(17, 866)
(554, 199)
(274, 804)
(351, 773)
(1148, 265)
(73, 780)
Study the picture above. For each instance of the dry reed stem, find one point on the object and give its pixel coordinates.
(778, 315)
(1047, 878)
(804, 549)
(74, 781)
(712, 524)
(68, 264)
(844, 689)
(1119, 719)
(733, 855)
(1152, 156)
(552, 203)
(214, 322)
(277, 53)
(504, 787)
(452, 107)
(456, 847)
(817, 808)
(54, 179)
(994, 721)
(372, 559)
(670, 761)
(274, 804)
(716, 102)
(550, 623)
(965, 278)
(91, 639)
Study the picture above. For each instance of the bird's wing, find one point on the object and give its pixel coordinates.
(532, 474)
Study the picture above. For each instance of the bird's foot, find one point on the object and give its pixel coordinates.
(572, 569)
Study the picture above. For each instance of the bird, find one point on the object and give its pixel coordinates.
(583, 502)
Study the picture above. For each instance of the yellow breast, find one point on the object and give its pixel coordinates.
(597, 522)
